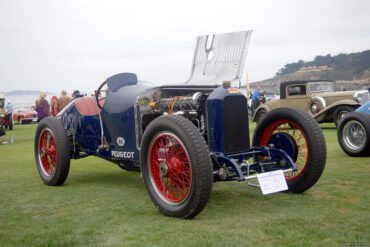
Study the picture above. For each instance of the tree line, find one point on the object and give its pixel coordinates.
(342, 66)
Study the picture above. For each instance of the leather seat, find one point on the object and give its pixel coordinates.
(86, 106)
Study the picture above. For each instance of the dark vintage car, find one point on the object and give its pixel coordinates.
(354, 132)
(183, 137)
(316, 97)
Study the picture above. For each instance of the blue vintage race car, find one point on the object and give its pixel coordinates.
(354, 132)
(183, 137)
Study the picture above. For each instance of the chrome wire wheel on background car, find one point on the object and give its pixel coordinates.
(170, 168)
(354, 134)
(297, 133)
(52, 151)
(176, 166)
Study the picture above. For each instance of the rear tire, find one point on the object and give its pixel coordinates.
(308, 138)
(52, 151)
(354, 134)
(340, 112)
(176, 166)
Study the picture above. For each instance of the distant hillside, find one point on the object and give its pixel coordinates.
(351, 71)
(23, 92)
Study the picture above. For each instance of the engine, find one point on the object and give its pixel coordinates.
(220, 114)
(181, 103)
(191, 106)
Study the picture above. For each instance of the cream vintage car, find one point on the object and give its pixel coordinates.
(316, 97)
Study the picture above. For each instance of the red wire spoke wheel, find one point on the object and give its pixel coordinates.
(52, 151)
(47, 152)
(170, 168)
(308, 140)
(294, 130)
(176, 166)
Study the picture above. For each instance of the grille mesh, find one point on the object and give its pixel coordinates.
(236, 125)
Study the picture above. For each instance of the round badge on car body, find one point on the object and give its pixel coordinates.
(120, 141)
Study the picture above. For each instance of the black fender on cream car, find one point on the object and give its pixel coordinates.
(330, 112)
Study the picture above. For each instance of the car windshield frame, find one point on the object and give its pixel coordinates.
(321, 86)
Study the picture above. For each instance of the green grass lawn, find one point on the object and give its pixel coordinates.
(103, 205)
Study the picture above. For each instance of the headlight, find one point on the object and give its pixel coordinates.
(356, 96)
(361, 96)
(315, 108)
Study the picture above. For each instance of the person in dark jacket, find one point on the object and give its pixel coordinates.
(42, 107)
(76, 94)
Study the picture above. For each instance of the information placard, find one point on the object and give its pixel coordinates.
(272, 182)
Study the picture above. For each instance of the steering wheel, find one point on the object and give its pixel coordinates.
(97, 93)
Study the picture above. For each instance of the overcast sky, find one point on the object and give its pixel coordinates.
(52, 45)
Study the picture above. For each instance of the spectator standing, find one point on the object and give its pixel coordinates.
(255, 99)
(9, 110)
(54, 105)
(9, 107)
(42, 107)
(63, 100)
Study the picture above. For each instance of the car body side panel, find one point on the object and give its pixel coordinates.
(83, 130)
(333, 98)
(119, 120)
(88, 133)
(299, 101)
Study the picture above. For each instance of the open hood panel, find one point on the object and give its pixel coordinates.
(219, 57)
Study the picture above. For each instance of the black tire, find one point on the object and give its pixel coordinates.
(260, 115)
(359, 144)
(196, 166)
(52, 151)
(340, 112)
(308, 137)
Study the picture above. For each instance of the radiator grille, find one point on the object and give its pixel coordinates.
(236, 124)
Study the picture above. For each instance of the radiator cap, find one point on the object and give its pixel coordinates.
(226, 84)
